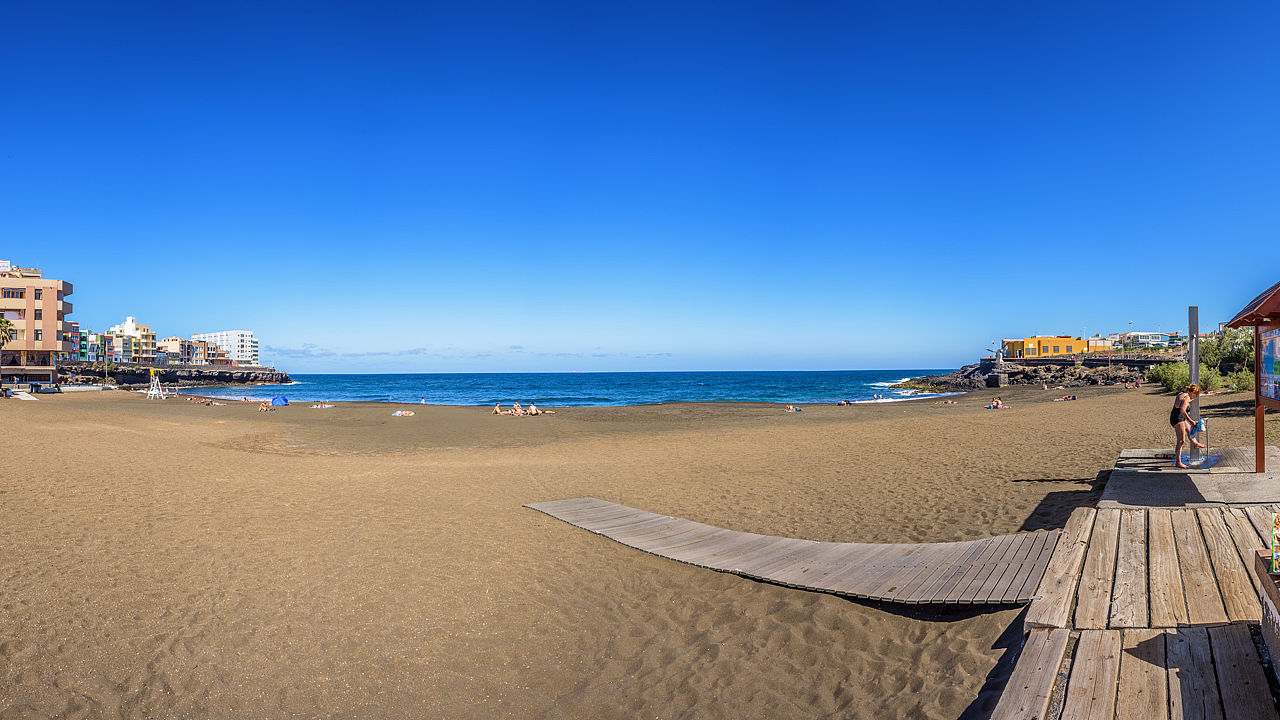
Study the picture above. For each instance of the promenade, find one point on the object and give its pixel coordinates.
(1146, 607)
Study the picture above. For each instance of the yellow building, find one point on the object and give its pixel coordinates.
(1044, 346)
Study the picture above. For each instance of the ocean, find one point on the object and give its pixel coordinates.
(587, 389)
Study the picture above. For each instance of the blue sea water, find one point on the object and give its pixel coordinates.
(587, 389)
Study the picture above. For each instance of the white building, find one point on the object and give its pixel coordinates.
(240, 345)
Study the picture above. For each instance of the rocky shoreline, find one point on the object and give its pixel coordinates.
(990, 375)
(182, 376)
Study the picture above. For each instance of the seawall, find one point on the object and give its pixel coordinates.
(181, 375)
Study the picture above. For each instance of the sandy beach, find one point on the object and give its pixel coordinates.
(170, 559)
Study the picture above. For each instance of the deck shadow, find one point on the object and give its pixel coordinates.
(1011, 642)
(1055, 507)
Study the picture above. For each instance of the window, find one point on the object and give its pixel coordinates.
(1044, 349)
(39, 314)
(1069, 349)
(39, 294)
(13, 294)
(39, 334)
(1057, 348)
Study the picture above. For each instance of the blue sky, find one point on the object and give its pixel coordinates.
(410, 187)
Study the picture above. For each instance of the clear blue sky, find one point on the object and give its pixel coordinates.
(597, 186)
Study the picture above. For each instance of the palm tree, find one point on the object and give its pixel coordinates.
(6, 337)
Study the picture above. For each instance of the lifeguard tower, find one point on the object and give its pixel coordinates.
(156, 391)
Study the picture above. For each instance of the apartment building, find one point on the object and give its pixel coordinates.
(37, 307)
(241, 346)
(144, 340)
(1043, 346)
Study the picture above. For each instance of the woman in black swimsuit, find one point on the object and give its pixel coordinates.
(1180, 419)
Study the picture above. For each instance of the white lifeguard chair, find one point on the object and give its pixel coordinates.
(156, 391)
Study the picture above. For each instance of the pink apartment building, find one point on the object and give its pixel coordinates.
(37, 307)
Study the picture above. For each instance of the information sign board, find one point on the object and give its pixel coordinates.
(1270, 365)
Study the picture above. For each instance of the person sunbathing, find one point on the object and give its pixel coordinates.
(533, 409)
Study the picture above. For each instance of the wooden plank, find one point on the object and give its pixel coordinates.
(1239, 596)
(644, 532)
(1094, 598)
(933, 566)
(1168, 603)
(771, 556)
(1204, 602)
(726, 540)
(983, 567)
(1009, 567)
(716, 538)
(728, 559)
(1095, 674)
(1057, 590)
(939, 586)
(1193, 689)
(852, 579)
(923, 591)
(1260, 516)
(788, 562)
(807, 571)
(673, 534)
(611, 518)
(890, 584)
(853, 571)
(628, 523)
(1129, 593)
(1246, 540)
(1245, 695)
(1026, 694)
(1027, 591)
(1144, 681)
(584, 516)
(890, 564)
(692, 532)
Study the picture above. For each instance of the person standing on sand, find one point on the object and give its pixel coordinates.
(1181, 420)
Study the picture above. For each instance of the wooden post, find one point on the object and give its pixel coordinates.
(1259, 429)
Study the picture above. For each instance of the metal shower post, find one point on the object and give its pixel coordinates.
(1193, 359)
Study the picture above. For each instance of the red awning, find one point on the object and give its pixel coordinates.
(1262, 310)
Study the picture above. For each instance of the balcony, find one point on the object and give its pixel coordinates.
(64, 308)
(13, 304)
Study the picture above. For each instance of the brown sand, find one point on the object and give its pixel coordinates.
(165, 559)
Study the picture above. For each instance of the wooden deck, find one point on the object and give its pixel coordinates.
(1143, 674)
(1159, 601)
(992, 571)
(1154, 568)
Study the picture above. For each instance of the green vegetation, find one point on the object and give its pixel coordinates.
(1240, 381)
(1174, 376)
(6, 332)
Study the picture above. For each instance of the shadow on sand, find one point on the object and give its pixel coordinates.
(1056, 506)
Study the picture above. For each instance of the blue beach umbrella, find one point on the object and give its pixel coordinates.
(279, 400)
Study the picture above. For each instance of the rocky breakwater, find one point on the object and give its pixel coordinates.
(181, 375)
(988, 374)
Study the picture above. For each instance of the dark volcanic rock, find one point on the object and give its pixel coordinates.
(975, 377)
(86, 373)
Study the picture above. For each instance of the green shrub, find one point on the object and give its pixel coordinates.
(1240, 381)
(1173, 376)
(1209, 378)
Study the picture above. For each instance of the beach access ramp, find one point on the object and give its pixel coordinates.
(1001, 570)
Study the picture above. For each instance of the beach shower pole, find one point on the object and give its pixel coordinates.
(1193, 359)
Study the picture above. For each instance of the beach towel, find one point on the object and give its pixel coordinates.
(279, 401)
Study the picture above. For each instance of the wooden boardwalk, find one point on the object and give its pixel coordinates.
(992, 571)
(1159, 602)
